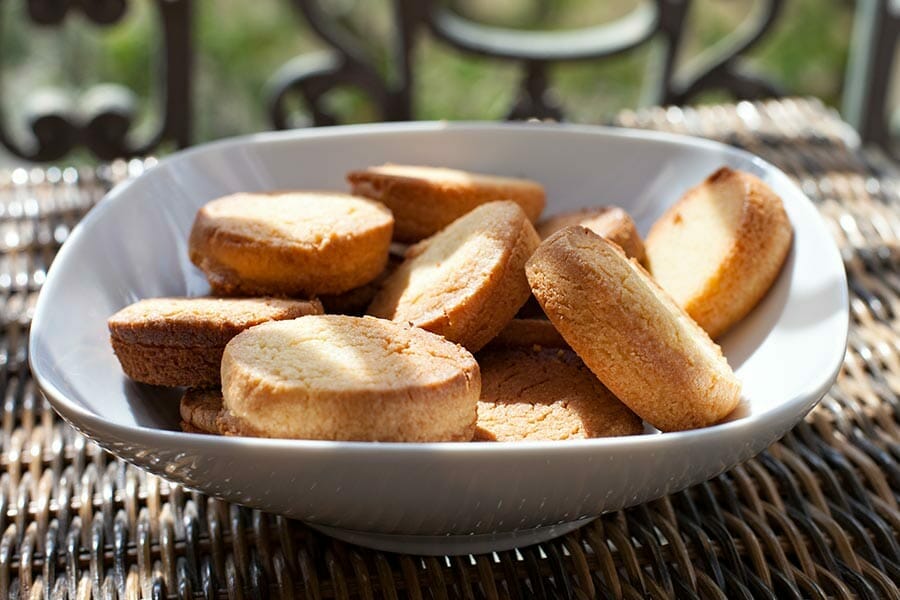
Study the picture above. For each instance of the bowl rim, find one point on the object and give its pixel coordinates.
(93, 424)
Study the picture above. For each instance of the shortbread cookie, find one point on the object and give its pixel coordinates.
(200, 409)
(611, 222)
(467, 281)
(528, 333)
(290, 243)
(546, 395)
(424, 200)
(720, 248)
(335, 377)
(630, 333)
(179, 341)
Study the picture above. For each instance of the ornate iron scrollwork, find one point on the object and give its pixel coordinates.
(535, 51)
(312, 76)
(103, 118)
(52, 12)
(720, 66)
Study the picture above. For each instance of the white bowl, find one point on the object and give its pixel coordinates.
(428, 498)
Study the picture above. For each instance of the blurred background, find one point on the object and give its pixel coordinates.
(239, 45)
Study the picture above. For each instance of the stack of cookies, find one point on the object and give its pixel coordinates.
(433, 304)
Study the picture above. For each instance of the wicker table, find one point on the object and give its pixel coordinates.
(814, 516)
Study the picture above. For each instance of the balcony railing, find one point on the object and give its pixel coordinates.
(103, 120)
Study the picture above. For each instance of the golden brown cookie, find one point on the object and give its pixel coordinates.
(424, 200)
(335, 377)
(630, 333)
(546, 395)
(199, 409)
(179, 341)
(611, 222)
(528, 333)
(467, 281)
(720, 248)
(290, 243)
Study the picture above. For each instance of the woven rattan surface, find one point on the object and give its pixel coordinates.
(814, 516)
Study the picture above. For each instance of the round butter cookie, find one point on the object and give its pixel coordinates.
(611, 222)
(290, 243)
(546, 395)
(179, 341)
(199, 410)
(467, 281)
(335, 377)
(630, 333)
(720, 248)
(424, 200)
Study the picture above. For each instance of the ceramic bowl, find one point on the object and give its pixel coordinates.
(434, 498)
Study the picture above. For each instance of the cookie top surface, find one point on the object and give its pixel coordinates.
(200, 321)
(704, 225)
(337, 354)
(445, 176)
(348, 378)
(720, 247)
(452, 267)
(546, 395)
(308, 219)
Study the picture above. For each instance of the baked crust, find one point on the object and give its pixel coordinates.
(203, 321)
(335, 377)
(611, 222)
(754, 235)
(424, 200)
(467, 281)
(188, 428)
(630, 333)
(290, 243)
(171, 366)
(179, 341)
(546, 395)
(199, 410)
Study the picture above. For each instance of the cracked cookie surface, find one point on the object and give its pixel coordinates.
(546, 395)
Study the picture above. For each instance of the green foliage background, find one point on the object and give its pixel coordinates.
(240, 44)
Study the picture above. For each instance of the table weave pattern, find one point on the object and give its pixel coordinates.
(814, 516)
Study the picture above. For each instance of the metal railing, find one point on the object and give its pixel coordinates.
(103, 123)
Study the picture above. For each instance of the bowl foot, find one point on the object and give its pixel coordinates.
(451, 545)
